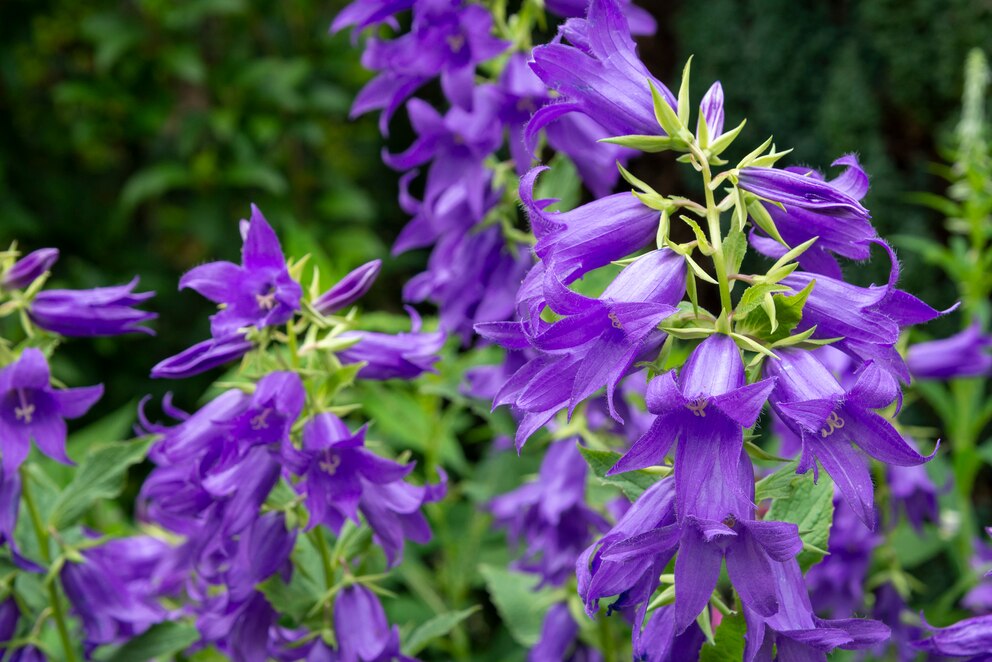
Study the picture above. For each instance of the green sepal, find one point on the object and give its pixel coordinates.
(768, 160)
(647, 144)
(764, 220)
(725, 140)
(704, 244)
(788, 311)
(683, 98)
(666, 116)
(758, 151)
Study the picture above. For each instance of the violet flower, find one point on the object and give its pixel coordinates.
(970, 638)
(658, 641)
(550, 514)
(362, 631)
(831, 421)
(103, 311)
(830, 211)
(260, 292)
(202, 356)
(913, 493)
(599, 75)
(31, 409)
(28, 269)
(706, 409)
(394, 356)
(641, 21)
(559, 639)
(349, 289)
(965, 354)
(365, 13)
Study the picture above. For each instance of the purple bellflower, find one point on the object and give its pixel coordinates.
(447, 38)
(658, 642)
(594, 344)
(830, 211)
(31, 409)
(102, 311)
(550, 514)
(598, 75)
(349, 289)
(970, 638)
(260, 292)
(559, 639)
(29, 268)
(706, 410)
(365, 13)
(641, 21)
(394, 356)
(832, 422)
(913, 493)
(363, 633)
(979, 599)
(795, 630)
(965, 354)
(202, 356)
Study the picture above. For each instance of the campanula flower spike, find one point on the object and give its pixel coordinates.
(30, 409)
(833, 421)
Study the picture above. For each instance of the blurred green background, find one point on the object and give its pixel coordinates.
(134, 134)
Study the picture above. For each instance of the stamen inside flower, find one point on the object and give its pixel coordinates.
(26, 411)
(730, 521)
(698, 407)
(614, 321)
(833, 423)
(456, 42)
(331, 462)
(258, 421)
(266, 301)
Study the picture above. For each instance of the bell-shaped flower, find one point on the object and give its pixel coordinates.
(833, 423)
(550, 514)
(349, 289)
(813, 207)
(275, 405)
(711, 112)
(657, 641)
(795, 631)
(362, 631)
(259, 292)
(559, 639)
(394, 356)
(335, 465)
(641, 22)
(202, 356)
(447, 38)
(965, 354)
(204, 431)
(634, 576)
(706, 409)
(599, 75)
(30, 409)
(588, 237)
(102, 311)
(28, 269)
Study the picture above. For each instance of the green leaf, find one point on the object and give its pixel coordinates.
(735, 247)
(162, 640)
(788, 313)
(728, 645)
(100, 476)
(631, 483)
(436, 627)
(648, 144)
(779, 484)
(763, 220)
(810, 506)
(683, 100)
(753, 296)
(520, 604)
(561, 182)
(723, 142)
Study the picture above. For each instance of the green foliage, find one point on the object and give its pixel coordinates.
(520, 605)
(728, 643)
(632, 483)
(436, 627)
(797, 499)
(160, 641)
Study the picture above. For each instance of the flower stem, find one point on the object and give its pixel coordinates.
(41, 534)
(716, 235)
(325, 555)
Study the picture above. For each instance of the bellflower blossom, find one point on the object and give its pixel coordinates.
(641, 22)
(559, 634)
(658, 641)
(913, 493)
(598, 75)
(550, 514)
(965, 354)
(29, 268)
(394, 356)
(830, 211)
(30, 409)
(102, 311)
(831, 421)
(349, 289)
(970, 638)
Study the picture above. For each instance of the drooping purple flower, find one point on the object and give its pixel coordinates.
(29, 268)
(633, 578)
(795, 631)
(349, 289)
(595, 342)
(447, 38)
(102, 311)
(658, 641)
(965, 354)
(10, 506)
(590, 236)
(641, 21)
(706, 409)
(335, 466)
(394, 356)
(202, 356)
(114, 591)
(550, 514)
(238, 626)
(260, 292)
(363, 633)
(9, 615)
(275, 405)
(890, 608)
(559, 639)
(31, 409)
(971, 638)
(815, 208)
(833, 422)
(598, 75)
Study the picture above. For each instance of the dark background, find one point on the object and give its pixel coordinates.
(133, 135)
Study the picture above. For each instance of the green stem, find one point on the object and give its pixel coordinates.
(41, 534)
(716, 235)
(966, 463)
(606, 640)
(325, 555)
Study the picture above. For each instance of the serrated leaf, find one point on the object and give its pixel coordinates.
(436, 627)
(728, 645)
(776, 485)
(810, 506)
(631, 483)
(100, 476)
(735, 247)
(162, 640)
(788, 314)
(520, 604)
(753, 296)
(561, 182)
